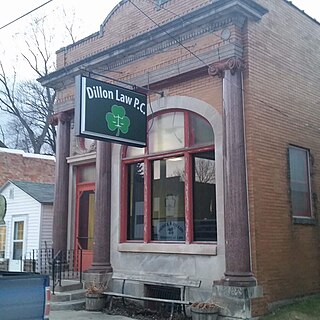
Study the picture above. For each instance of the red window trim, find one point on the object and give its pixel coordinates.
(147, 159)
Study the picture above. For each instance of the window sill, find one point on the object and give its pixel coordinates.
(304, 220)
(169, 248)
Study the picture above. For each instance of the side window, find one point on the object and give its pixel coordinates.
(299, 169)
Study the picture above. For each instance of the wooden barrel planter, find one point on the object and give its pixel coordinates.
(95, 302)
(204, 311)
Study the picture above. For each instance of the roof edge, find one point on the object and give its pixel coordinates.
(302, 11)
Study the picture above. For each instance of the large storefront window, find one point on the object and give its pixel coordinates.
(168, 211)
(136, 201)
(170, 193)
(204, 200)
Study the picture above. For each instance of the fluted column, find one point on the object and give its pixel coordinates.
(102, 216)
(60, 206)
(237, 239)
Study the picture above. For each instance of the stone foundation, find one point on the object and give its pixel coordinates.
(101, 279)
(4, 265)
(235, 301)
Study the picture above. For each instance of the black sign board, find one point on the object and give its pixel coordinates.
(104, 111)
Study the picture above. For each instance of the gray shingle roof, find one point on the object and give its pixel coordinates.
(42, 192)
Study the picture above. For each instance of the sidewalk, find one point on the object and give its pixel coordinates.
(83, 315)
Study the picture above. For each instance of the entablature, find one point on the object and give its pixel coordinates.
(218, 17)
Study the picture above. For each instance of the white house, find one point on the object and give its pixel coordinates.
(28, 220)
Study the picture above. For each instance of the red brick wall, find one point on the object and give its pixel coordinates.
(16, 165)
(281, 97)
(126, 23)
(282, 107)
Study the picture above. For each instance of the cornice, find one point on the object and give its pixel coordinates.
(201, 62)
(82, 158)
(206, 20)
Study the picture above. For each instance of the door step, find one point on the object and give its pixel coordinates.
(70, 296)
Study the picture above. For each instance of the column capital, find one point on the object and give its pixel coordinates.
(233, 64)
(62, 117)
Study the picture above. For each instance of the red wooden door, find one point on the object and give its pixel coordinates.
(85, 223)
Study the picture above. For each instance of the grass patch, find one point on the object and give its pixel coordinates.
(306, 309)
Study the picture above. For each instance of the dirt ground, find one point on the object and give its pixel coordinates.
(136, 310)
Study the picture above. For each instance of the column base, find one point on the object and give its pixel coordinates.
(238, 279)
(235, 300)
(99, 279)
(100, 268)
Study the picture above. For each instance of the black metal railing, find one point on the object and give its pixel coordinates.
(38, 260)
(64, 265)
(56, 274)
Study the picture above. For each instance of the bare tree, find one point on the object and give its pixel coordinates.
(205, 170)
(29, 105)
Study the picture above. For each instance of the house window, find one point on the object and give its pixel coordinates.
(169, 192)
(18, 237)
(2, 240)
(300, 182)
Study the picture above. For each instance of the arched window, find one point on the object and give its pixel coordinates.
(169, 187)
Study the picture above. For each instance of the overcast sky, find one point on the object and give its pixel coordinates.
(90, 14)
(88, 17)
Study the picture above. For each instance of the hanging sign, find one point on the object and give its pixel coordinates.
(104, 111)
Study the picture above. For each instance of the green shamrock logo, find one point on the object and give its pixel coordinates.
(117, 120)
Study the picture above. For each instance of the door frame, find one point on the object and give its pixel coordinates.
(15, 219)
(80, 188)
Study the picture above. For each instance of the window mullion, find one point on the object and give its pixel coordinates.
(187, 131)
(188, 198)
(124, 203)
(147, 201)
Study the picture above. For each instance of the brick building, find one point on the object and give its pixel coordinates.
(18, 165)
(24, 168)
(226, 189)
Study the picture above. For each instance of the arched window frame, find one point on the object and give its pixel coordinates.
(188, 151)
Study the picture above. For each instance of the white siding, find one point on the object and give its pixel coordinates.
(46, 226)
(22, 205)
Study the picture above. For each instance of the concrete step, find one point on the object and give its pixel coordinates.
(68, 285)
(68, 295)
(68, 305)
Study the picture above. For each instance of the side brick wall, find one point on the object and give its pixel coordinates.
(27, 167)
(282, 107)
